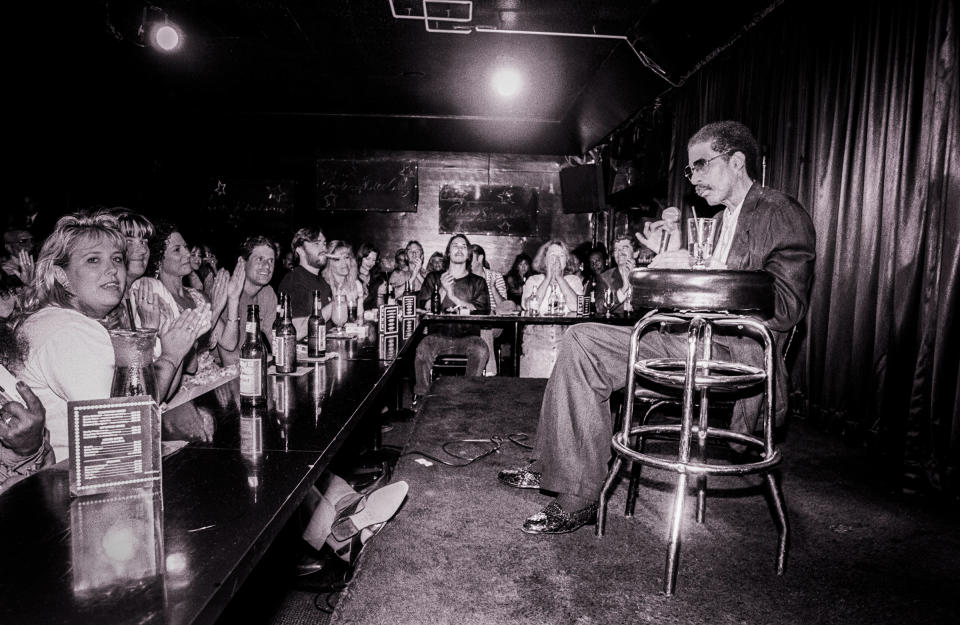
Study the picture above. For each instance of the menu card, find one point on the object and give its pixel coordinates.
(408, 306)
(389, 319)
(114, 443)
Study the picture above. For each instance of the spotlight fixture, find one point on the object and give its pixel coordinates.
(159, 32)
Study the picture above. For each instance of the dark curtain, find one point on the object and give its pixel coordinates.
(856, 106)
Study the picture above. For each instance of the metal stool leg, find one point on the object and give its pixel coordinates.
(602, 501)
(783, 526)
(702, 429)
(673, 545)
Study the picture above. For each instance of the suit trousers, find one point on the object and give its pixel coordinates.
(433, 345)
(576, 427)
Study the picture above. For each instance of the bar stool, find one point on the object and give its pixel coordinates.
(703, 301)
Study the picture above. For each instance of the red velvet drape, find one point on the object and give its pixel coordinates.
(856, 105)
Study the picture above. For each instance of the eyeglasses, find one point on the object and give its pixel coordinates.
(698, 166)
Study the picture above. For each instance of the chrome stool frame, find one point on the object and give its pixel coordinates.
(696, 375)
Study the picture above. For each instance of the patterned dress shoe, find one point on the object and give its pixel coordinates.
(555, 520)
(520, 478)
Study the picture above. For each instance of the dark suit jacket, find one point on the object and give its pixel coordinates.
(774, 233)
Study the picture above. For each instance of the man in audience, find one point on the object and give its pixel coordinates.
(18, 254)
(310, 249)
(762, 229)
(24, 441)
(461, 292)
(614, 280)
(260, 254)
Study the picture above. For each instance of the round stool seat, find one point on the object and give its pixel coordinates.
(702, 290)
(718, 374)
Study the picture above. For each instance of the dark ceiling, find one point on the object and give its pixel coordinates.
(349, 74)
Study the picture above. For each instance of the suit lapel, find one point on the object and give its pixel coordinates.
(739, 254)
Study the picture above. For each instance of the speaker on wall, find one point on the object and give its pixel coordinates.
(582, 188)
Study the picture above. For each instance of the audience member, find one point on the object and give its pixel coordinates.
(24, 441)
(464, 292)
(341, 274)
(18, 254)
(613, 288)
(549, 292)
(258, 256)
(435, 262)
(369, 272)
(169, 262)
(517, 276)
(497, 292)
(310, 247)
(79, 280)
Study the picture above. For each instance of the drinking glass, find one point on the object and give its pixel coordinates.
(339, 312)
(700, 232)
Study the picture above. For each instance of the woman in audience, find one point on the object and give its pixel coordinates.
(169, 263)
(370, 274)
(341, 274)
(517, 276)
(435, 263)
(79, 279)
(193, 279)
(550, 292)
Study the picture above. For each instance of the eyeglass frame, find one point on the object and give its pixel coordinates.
(698, 166)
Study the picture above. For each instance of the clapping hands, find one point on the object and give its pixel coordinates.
(178, 336)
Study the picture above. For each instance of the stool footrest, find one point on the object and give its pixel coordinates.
(719, 374)
(622, 445)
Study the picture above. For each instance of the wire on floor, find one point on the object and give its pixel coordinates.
(495, 442)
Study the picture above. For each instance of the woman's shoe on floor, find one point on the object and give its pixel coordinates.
(555, 520)
(379, 507)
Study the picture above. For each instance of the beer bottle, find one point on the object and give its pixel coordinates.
(285, 355)
(391, 294)
(436, 304)
(276, 326)
(316, 330)
(253, 359)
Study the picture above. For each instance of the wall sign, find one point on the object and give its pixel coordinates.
(488, 209)
(367, 185)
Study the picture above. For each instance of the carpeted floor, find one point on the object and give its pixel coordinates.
(454, 553)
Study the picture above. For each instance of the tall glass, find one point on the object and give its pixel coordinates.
(339, 312)
(133, 356)
(700, 234)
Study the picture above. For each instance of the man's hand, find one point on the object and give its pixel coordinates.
(21, 427)
(237, 280)
(27, 267)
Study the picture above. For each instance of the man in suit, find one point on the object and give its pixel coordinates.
(762, 229)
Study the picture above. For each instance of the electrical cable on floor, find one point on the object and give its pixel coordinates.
(496, 441)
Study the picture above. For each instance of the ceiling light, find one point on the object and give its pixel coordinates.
(507, 81)
(166, 37)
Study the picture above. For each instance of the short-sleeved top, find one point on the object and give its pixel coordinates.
(69, 357)
(299, 285)
(266, 299)
(471, 288)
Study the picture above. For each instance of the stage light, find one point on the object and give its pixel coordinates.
(166, 37)
(157, 31)
(507, 81)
